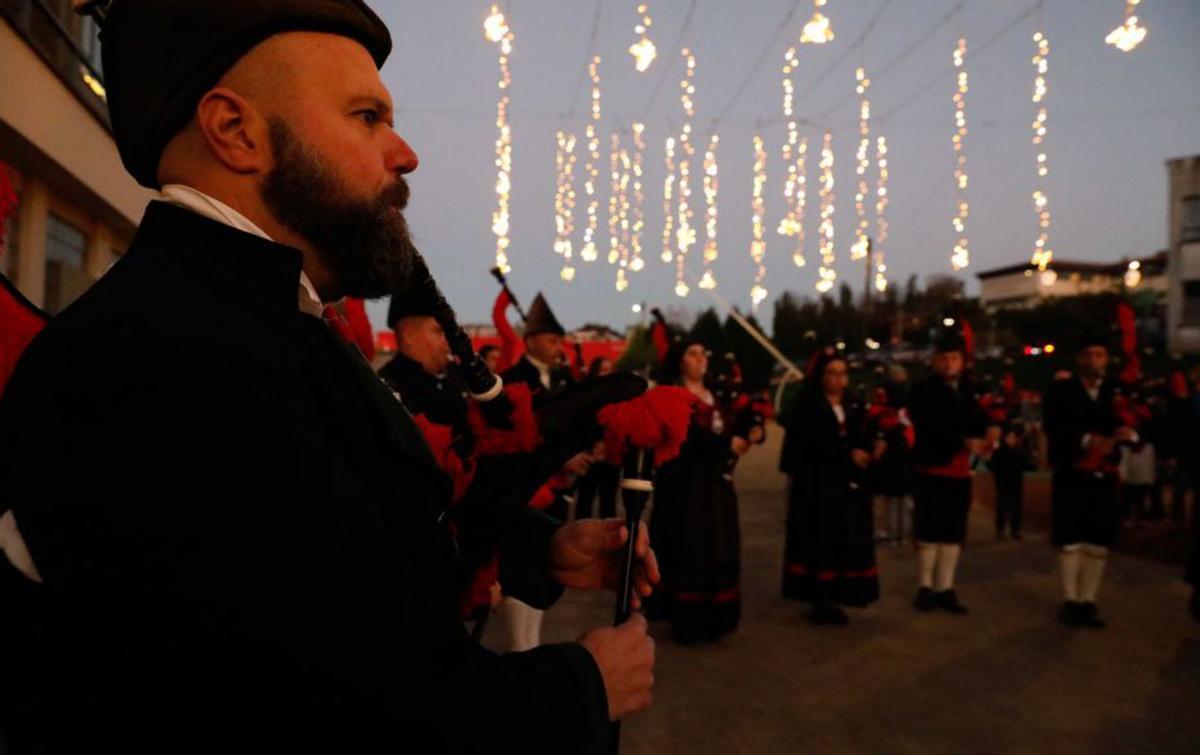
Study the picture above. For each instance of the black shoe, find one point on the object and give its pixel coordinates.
(925, 600)
(828, 615)
(948, 601)
(1071, 613)
(1090, 617)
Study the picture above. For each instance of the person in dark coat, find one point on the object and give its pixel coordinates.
(695, 513)
(1008, 464)
(829, 552)
(950, 428)
(599, 486)
(1084, 436)
(241, 535)
(542, 365)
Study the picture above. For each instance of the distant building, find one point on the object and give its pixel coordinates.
(78, 207)
(1021, 285)
(1183, 220)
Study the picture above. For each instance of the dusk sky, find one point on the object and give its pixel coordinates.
(1114, 118)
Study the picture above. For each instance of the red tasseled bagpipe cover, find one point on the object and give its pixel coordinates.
(20, 321)
(495, 441)
(510, 345)
(968, 335)
(440, 439)
(656, 420)
(1178, 385)
(994, 407)
(360, 325)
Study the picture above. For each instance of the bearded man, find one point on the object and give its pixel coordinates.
(239, 536)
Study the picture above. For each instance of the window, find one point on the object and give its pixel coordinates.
(66, 277)
(1191, 304)
(1191, 219)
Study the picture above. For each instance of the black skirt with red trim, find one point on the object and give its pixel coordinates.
(695, 532)
(829, 553)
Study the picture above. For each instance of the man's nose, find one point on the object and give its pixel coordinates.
(400, 157)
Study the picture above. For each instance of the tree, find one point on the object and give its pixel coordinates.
(755, 361)
(707, 329)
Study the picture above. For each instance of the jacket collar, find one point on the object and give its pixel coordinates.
(261, 271)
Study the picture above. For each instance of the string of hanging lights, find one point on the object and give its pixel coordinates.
(685, 233)
(1129, 34)
(961, 257)
(668, 253)
(1042, 253)
(818, 30)
(758, 242)
(638, 224)
(497, 30)
(826, 275)
(793, 153)
(564, 202)
(712, 186)
(643, 51)
(614, 198)
(591, 169)
(858, 249)
(881, 223)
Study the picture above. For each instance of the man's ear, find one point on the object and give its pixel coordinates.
(234, 131)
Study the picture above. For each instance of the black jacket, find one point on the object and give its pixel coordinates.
(525, 372)
(243, 535)
(1070, 414)
(943, 419)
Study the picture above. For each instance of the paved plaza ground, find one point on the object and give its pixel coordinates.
(1005, 679)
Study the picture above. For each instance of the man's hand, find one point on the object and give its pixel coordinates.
(1125, 435)
(579, 464)
(739, 445)
(860, 457)
(587, 555)
(1099, 445)
(625, 655)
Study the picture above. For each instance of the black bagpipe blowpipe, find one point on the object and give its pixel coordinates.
(483, 384)
(637, 483)
(498, 274)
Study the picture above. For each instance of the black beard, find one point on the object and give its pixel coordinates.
(365, 245)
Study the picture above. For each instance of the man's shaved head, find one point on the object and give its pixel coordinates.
(298, 136)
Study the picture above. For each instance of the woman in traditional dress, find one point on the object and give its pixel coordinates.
(695, 517)
(829, 558)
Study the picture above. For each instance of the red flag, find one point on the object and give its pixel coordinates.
(660, 337)
(1127, 322)
(968, 334)
(20, 321)
(510, 345)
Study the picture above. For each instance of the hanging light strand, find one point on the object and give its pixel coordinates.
(881, 224)
(614, 198)
(591, 169)
(818, 30)
(711, 187)
(793, 153)
(1042, 253)
(826, 275)
(685, 233)
(638, 224)
(961, 256)
(858, 249)
(564, 202)
(1129, 34)
(496, 30)
(668, 253)
(758, 241)
(643, 51)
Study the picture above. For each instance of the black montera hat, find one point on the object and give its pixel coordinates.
(161, 56)
(949, 338)
(541, 319)
(413, 301)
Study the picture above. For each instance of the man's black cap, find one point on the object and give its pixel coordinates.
(161, 56)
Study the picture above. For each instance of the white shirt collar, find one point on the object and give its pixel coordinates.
(214, 209)
(543, 370)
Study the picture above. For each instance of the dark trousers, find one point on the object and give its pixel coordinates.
(1134, 500)
(598, 486)
(1009, 503)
